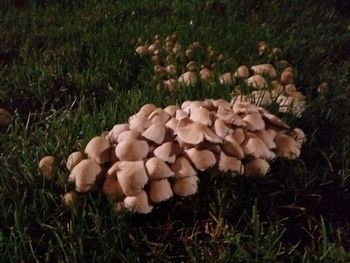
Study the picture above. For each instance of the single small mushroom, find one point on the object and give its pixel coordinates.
(128, 135)
(201, 159)
(73, 159)
(298, 135)
(229, 163)
(155, 133)
(257, 148)
(167, 151)
(231, 147)
(160, 190)
(201, 115)
(112, 189)
(71, 200)
(267, 137)
(256, 82)
(254, 122)
(256, 167)
(242, 72)
(261, 97)
(220, 128)
(265, 70)
(226, 79)
(263, 48)
(171, 110)
(139, 123)
(287, 147)
(180, 114)
(206, 75)
(86, 175)
(287, 77)
(159, 115)
(186, 186)
(146, 110)
(47, 166)
(188, 78)
(183, 168)
(169, 84)
(138, 203)
(131, 175)
(142, 50)
(5, 117)
(98, 149)
(132, 150)
(158, 169)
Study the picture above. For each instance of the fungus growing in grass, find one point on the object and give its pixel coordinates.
(256, 167)
(206, 75)
(112, 189)
(86, 175)
(158, 169)
(131, 150)
(227, 79)
(265, 70)
(287, 77)
(71, 200)
(228, 163)
(201, 159)
(186, 186)
(138, 203)
(117, 129)
(73, 159)
(188, 78)
(47, 166)
(263, 48)
(287, 147)
(98, 149)
(160, 190)
(242, 72)
(5, 117)
(257, 82)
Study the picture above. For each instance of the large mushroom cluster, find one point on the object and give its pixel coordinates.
(176, 66)
(159, 152)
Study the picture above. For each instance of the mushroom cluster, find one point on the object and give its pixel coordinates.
(160, 151)
(176, 66)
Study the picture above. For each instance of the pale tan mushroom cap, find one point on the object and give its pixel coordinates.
(257, 82)
(257, 167)
(138, 203)
(201, 159)
(117, 129)
(47, 166)
(71, 199)
(167, 151)
(265, 70)
(242, 72)
(186, 186)
(287, 147)
(226, 79)
(73, 159)
(132, 176)
(5, 117)
(183, 168)
(98, 149)
(158, 169)
(188, 78)
(132, 150)
(112, 189)
(85, 175)
(160, 190)
(155, 132)
(228, 163)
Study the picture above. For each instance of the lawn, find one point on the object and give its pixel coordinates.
(69, 71)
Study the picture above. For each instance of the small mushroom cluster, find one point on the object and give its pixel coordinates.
(160, 151)
(176, 66)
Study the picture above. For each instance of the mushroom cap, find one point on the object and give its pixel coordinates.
(98, 149)
(231, 147)
(287, 77)
(256, 167)
(73, 159)
(287, 147)
(146, 109)
(167, 151)
(201, 115)
(128, 135)
(186, 186)
(290, 88)
(257, 148)
(206, 75)
(171, 69)
(138, 203)
(112, 189)
(85, 175)
(158, 169)
(226, 79)
(239, 135)
(132, 150)
(160, 190)
(272, 119)
(5, 117)
(47, 166)
(142, 50)
(139, 123)
(172, 126)
(181, 114)
(191, 66)
(155, 132)
(71, 199)
(183, 168)
(188, 78)
(242, 72)
(171, 110)
(221, 103)
(261, 97)
(244, 107)
(220, 128)
(195, 133)
(228, 163)
(298, 135)
(201, 159)
(265, 70)
(169, 84)
(267, 138)
(254, 122)
(117, 129)
(159, 115)
(257, 82)
(132, 176)
(228, 116)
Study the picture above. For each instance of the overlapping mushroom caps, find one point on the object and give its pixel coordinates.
(176, 66)
(160, 152)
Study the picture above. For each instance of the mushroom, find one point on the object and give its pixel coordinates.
(113, 134)
(146, 110)
(226, 79)
(131, 150)
(5, 117)
(188, 78)
(131, 175)
(220, 128)
(228, 163)
(287, 77)
(231, 147)
(128, 135)
(142, 50)
(167, 151)
(172, 126)
(265, 70)
(160, 190)
(257, 148)
(47, 166)
(159, 115)
(71, 199)
(183, 168)
(256, 82)
(298, 135)
(254, 122)
(171, 110)
(201, 115)
(138, 203)
(98, 149)
(155, 132)
(256, 167)
(169, 84)
(139, 123)
(242, 72)
(112, 189)
(263, 47)
(206, 75)
(73, 159)
(201, 159)
(287, 147)
(158, 169)
(261, 97)
(186, 186)
(86, 175)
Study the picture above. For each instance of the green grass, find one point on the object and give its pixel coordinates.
(68, 72)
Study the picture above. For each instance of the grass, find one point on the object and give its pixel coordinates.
(68, 72)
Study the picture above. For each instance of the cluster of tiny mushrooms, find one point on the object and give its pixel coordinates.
(159, 152)
(176, 66)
